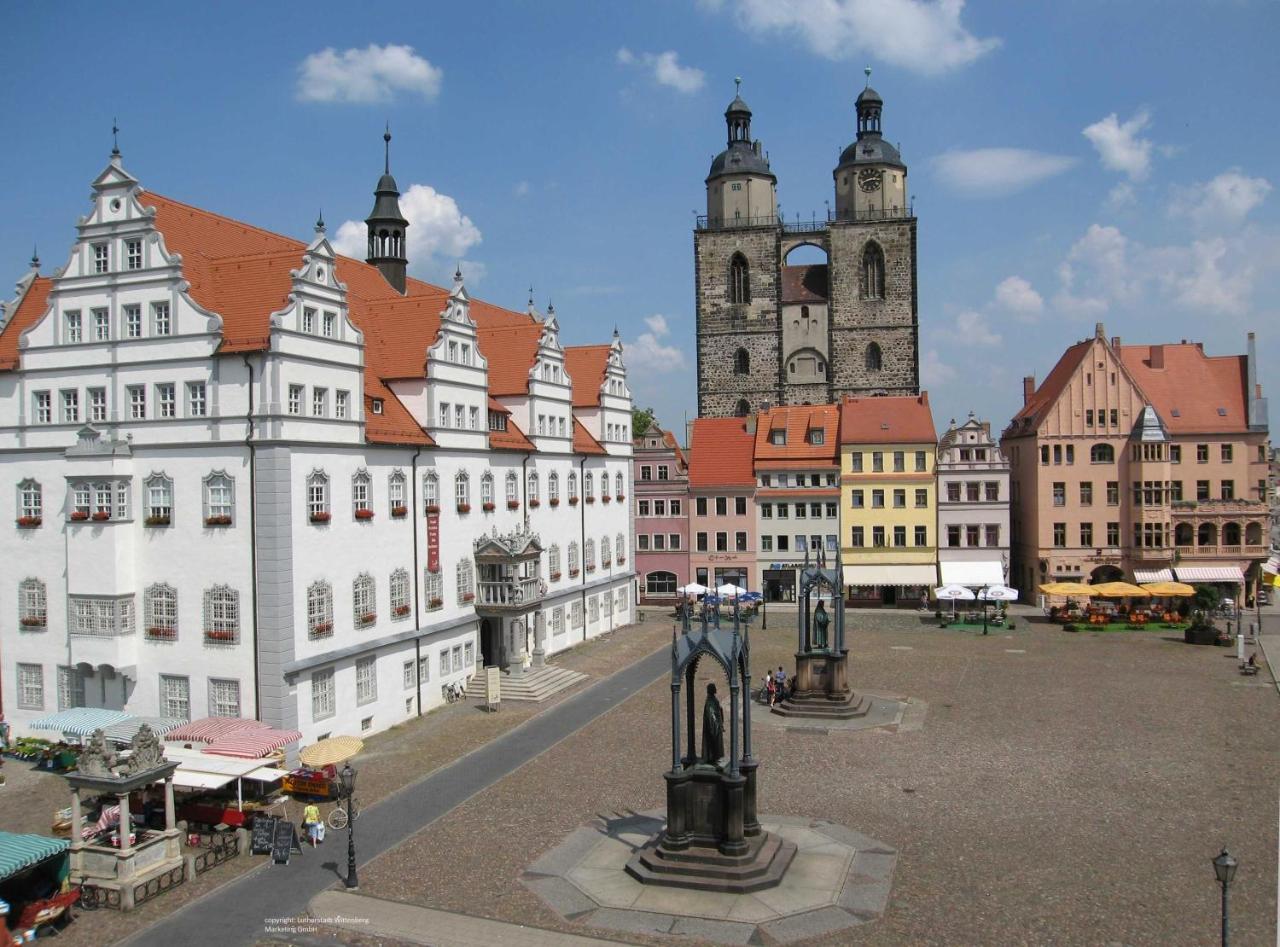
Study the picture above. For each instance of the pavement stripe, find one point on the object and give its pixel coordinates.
(237, 910)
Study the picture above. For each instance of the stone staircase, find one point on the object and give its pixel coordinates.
(535, 684)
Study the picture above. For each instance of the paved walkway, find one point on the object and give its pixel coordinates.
(412, 924)
(240, 911)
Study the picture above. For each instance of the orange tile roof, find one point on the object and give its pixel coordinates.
(584, 442)
(586, 365)
(1194, 384)
(721, 453)
(1053, 385)
(805, 284)
(798, 421)
(896, 419)
(30, 309)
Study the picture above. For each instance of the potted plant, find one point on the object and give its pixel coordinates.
(29, 522)
(573, 501)
(158, 519)
(321, 517)
(101, 516)
(79, 516)
(464, 507)
(436, 602)
(535, 502)
(217, 521)
(364, 514)
(400, 611)
(399, 511)
(554, 501)
(32, 621)
(513, 504)
(488, 507)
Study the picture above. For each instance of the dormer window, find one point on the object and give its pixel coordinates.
(101, 257)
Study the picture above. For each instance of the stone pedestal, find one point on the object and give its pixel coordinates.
(822, 688)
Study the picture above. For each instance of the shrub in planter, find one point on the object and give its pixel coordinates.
(464, 507)
(573, 501)
(29, 522)
(433, 508)
(487, 507)
(399, 511)
(513, 504)
(80, 515)
(364, 514)
(554, 501)
(101, 516)
(320, 517)
(157, 521)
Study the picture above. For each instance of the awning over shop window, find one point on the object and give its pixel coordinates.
(975, 574)
(1143, 576)
(1211, 574)
(890, 575)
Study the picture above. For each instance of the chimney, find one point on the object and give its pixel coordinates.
(1115, 342)
(1157, 356)
(1028, 388)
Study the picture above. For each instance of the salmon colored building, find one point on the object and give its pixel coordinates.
(722, 487)
(1142, 463)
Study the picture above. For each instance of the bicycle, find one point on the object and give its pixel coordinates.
(338, 814)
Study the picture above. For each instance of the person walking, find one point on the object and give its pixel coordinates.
(312, 823)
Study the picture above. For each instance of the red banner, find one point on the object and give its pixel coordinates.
(433, 542)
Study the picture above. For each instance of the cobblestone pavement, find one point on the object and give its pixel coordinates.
(1065, 788)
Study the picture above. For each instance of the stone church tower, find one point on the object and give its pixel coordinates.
(771, 333)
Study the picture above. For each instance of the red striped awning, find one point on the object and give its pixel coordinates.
(210, 728)
(252, 744)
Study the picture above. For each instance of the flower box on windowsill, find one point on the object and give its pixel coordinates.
(433, 508)
(513, 504)
(31, 621)
(554, 501)
(555, 577)
(535, 502)
(464, 508)
(573, 501)
(469, 597)
(400, 611)
(220, 635)
(157, 521)
(217, 521)
(364, 515)
(101, 516)
(368, 618)
(435, 603)
(399, 512)
(487, 507)
(29, 522)
(162, 633)
(79, 516)
(321, 517)
(573, 573)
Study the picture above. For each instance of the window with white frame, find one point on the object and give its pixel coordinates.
(160, 611)
(197, 400)
(323, 704)
(361, 494)
(400, 607)
(219, 499)
(133, 322)
(133, 254)
(30, 503)
(395, 493)
(366, 680)
(532, 487)
(33, 604)
(462, 491)
(606, 552)
(70, 406)
(42, 407)
(589, 555)
(221, 615)
(466, 580)
(70, 687)
(158, 491)
(166, 400)
(320, 402)
(101, 257)
(101, 617)
(486, 489)
(137, 402)
(553, 488)
(573, 486)
(161, 322)
(72, 326)
(513, 487)
(431, 491)
(31, 686)
(295, 398)
(575, 614)
(101, 325)
(319, 610)
(318, 497)
(308, 320)
(97, 404)
(175, 697)
(364, 602)
(553, 561)
(573, 558)
(340, 401)
(444, 662)
(433, 590)
(224, 697)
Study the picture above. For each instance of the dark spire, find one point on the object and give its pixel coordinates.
(386, 225)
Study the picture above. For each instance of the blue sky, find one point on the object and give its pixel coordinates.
(1070, 162)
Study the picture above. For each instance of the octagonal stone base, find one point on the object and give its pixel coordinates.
(838, 878)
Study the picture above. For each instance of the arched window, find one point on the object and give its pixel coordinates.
(319, 610)
(872, 271)
(466, 581)
(395, 493)
(606, 552)
(617, 485)
(33, 609)
(741, 362)
(431, 491)
(318, 497)
(621, 548)
(221, 615)
(531, 485)
(874, 359)
(362, 494)
(743, 408)
(574, 568)
(1231, 534)
(158, 497)
(486, 490)
(400, 607)
(660, 583)
(462, 491)
(1102, 454)
(513, 488)
(364, 600)
(573, 486)
(589, 555)
(553, 562)
(739, 280)
(30, 503)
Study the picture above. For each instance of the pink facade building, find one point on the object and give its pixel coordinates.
(722, 487)
(661, 479)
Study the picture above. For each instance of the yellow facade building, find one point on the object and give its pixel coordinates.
(888, 509)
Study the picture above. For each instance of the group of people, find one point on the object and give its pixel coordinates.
(777, 687)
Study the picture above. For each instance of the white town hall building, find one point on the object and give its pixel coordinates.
(254, 478)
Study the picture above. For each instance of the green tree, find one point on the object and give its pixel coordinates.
(641, 420)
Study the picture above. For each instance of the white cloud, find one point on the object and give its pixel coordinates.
(924, 36)
(1017, 295)
(439, 235)
(934, 371)
(1226, 200)
(657, 324)
(984, 172)
(665, 69)
(1119, 145)
(372, 74)
(647, 355)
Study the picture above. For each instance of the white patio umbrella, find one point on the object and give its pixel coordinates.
(998, 593)
(693, 588)
(729, 590)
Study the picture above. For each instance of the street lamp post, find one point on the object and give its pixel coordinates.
(1224, 867)
(348, 777)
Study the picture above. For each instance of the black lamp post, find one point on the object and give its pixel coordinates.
(348, 778)
(1224, 866)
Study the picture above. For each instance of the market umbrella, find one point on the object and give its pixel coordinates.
(1120, 590)
(1175, 589)
(998, 593)
(330, 751)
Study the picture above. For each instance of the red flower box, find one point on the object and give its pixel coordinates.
(80, 515)
(364, 514)
(487, 507)
(535, 502)
(217, 521)
(513, 504)
(320, 517)
(555, 577)
(436, 603)
(554, 501)
(101, 516)
(400, 611)
(157, 521)
(29, 522)
(399, 511)
(368, 618)
(469, 597)
(212, 634)
(573, 501)
(464, 507)
(32, 621)
(433, 508)
(162, 632)
(591, 499)
(573, 573)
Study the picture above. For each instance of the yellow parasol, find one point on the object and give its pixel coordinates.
(1175, 589)
(331, 751)
(1067, 588)
(1120, 590)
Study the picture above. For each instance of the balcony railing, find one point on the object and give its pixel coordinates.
(511, 594)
